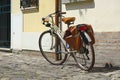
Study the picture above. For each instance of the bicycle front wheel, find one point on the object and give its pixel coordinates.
(53, 52)
(86, 57)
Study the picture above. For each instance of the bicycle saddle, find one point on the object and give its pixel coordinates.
(67, 20)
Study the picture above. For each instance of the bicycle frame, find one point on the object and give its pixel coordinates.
(55, 29)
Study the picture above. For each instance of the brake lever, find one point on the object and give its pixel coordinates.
(43, 19)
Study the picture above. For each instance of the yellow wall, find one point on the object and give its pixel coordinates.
(15, 6)
(32, 21)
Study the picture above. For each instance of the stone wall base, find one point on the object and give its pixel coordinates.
(107, 47)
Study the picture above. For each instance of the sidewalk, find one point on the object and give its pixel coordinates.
(31, 66)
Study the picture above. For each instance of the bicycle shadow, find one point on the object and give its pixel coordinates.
(104, 69)
(96, 69)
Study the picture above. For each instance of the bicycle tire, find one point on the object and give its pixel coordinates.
(50, 53)
(82, 59)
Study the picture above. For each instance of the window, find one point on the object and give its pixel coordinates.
(71, 1)
(28, 4)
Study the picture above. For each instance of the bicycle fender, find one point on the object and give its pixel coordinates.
(87, 36)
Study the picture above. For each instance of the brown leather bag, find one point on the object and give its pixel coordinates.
(73, 38)
(88, 29)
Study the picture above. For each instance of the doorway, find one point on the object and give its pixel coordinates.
(5, 23)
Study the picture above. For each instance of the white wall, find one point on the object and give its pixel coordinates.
(30, 40)
(103, 15)
(16, 31)
(22, 40)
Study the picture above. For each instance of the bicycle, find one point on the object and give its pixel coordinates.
(55, 49)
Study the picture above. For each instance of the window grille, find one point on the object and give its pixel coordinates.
(29, 4)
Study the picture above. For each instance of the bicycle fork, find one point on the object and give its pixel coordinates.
(57, 46)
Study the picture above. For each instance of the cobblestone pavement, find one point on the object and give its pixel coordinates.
(31, 66)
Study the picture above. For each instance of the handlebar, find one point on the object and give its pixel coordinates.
(44, 20)
(58, 13)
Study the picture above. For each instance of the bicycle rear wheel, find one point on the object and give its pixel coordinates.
(86, 57)
(51, 52)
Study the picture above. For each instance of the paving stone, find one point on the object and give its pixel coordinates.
(35, 67)
(18, 79)
(5, 79)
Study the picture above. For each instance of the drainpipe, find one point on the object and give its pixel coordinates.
(57, 9)
(57, 22)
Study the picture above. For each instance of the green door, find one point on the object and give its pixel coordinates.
(5, 23)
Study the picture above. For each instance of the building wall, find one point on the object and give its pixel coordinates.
(32, 21)
(33, 25)
(26, 27)
(103, 15)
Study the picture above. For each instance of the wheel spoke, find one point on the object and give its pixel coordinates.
(47, 45)
(86, 58)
